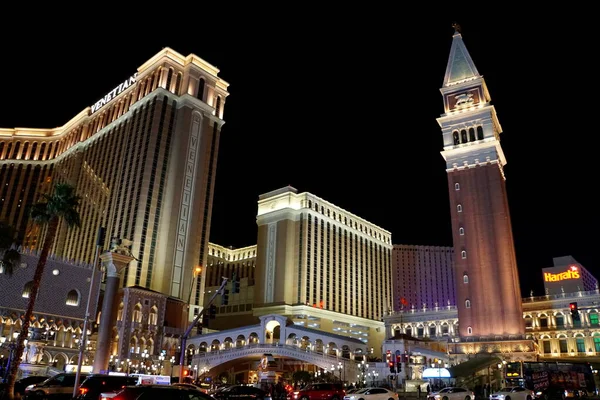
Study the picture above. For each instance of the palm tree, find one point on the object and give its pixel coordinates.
(62, 204)
(10, 256)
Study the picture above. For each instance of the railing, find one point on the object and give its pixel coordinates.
(547, 297)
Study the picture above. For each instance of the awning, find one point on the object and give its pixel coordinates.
(473, 365)
(436, 373)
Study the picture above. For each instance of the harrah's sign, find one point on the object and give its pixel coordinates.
(114, 93)
(571, 273)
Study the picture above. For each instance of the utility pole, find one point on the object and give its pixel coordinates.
(194, 322)
(83, 343)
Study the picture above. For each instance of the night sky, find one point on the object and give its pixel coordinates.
(344, 105)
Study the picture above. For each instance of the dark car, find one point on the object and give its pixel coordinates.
(22, 383)
(320, 391)
(238, 392)
(60, 386)
(162, 392)
(96, 384)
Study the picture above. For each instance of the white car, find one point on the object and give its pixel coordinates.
(452, 393)
(513, 393)
(373, 393)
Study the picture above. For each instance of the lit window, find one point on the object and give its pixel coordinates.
(73, 298)
(461, 231)
(463, 254)
(457, 186)
(470, 330)
(465, 278)
(467, 303)
(459, 208)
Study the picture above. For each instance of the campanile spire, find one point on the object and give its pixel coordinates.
(488, 291)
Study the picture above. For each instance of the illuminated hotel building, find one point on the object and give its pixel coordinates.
(423, 276)
(322, 266)
(484, 259)
(568, 276)
(143, 158)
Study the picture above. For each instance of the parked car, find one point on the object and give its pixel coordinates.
(242, 392)
(320, 391)
(60, 386)
(452, 393)
(153, 392)
(513, 393)
(372, 393)
(22, 383)
(95, 384)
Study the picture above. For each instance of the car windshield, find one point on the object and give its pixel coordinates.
(444, 390)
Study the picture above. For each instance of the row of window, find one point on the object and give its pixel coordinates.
(73, 296)
(465, 136)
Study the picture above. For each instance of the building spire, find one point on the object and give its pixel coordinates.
(460, 66)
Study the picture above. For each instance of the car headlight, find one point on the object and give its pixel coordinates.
(29, 387)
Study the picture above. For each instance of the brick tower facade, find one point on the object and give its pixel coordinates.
(488, 294)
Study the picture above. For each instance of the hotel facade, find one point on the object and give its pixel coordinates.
(143, 158)
(423, 276)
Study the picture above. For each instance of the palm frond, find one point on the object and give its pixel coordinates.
(10, 259)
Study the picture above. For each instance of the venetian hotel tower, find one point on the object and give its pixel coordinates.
(488, 294)
(143, 159)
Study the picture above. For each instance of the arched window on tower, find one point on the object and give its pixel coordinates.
(457, 186)
(178, 83)
(469, 330)
(73, 298)
(461, 231)
(463, 136)
(169, 78)
(16, 150)
(33, 150)
(467, 303)
(479, 133)
(459, 208)
(471, 134)
(463, 254)
(455, 138)
(201, 84)
(218, 107)
(465, 278)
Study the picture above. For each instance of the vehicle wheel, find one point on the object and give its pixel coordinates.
(445, 398)
(528, 397)
(304, 398)
(468, 398)
(507, 398)
(391, 399)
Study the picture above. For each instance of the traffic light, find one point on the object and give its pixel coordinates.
(212, 311)
(235, 283)
(225, 297)
(574, 311)
(388, 356)
(392, 369)
(398, 362)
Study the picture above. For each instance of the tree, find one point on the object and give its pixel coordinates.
(62, 204)
(10, 255)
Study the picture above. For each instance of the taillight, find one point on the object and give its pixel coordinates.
(83, 390)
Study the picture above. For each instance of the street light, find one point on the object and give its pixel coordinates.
(340, 367)
(161, 358)
(172, 361)
(362, 376)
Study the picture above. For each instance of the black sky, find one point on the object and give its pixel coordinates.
(344, 105)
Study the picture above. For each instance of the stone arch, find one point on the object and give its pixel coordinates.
(228, 343)
(60, 360)
(331, 349)
(136, 315)
(270, 328)
(240, 341)
(319, 346)
(345, 352)
(46, 358)
(120, 312)
(292, 339)
(202, 347)
(133, 344)
(153, 316)
(360, 354)
(215, 345)
(253, 338)
(305, 343)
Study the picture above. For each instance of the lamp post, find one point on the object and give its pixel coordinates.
(340, 367)
(161, 358)
(145, 356)
(362, 376)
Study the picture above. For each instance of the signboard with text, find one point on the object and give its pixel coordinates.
(562, 279)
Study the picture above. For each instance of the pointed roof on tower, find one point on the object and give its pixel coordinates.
(460, 66)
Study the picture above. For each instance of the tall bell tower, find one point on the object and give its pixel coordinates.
(488, 294)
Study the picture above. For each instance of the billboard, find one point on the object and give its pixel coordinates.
(563, 279)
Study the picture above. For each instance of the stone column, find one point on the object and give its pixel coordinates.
(114, 264)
